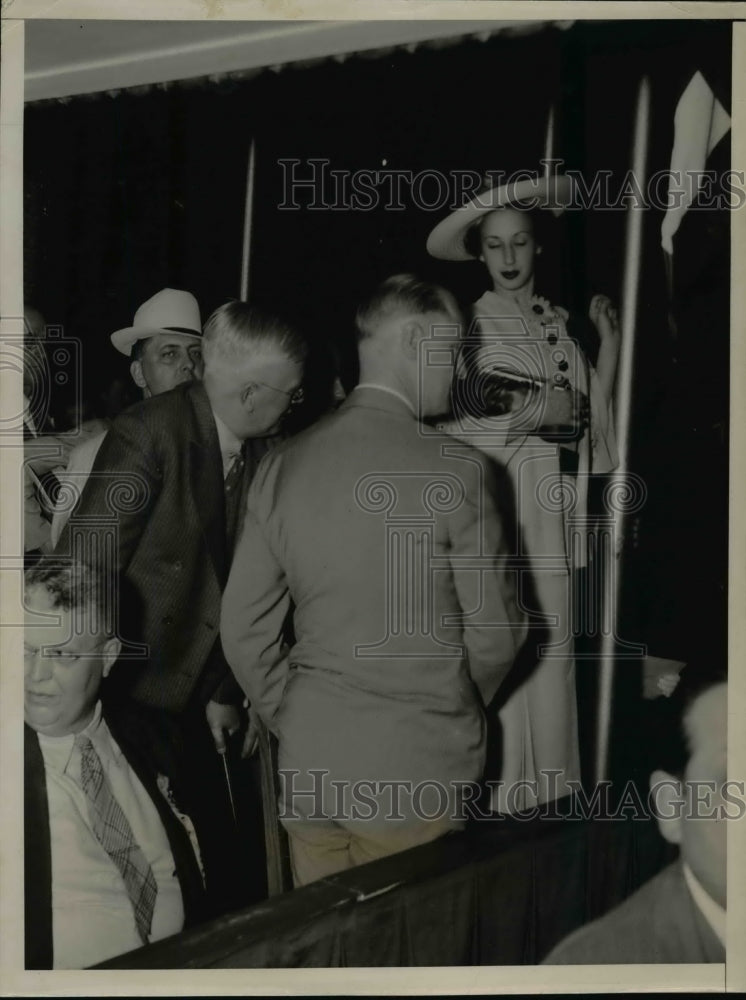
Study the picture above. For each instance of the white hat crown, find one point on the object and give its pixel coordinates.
(170, 309)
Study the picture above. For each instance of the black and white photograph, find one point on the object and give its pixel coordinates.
(370, 514)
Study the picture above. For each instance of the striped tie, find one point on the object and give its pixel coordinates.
(114, 833)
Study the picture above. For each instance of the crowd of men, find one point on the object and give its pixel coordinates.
(202, 574)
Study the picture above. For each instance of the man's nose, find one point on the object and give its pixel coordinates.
(38, 666)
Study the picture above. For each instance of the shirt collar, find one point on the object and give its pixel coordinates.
(230, 445)
(393, 392)
(57, 751)
(713, 912)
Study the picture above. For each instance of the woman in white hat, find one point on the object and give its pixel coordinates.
(531, 400)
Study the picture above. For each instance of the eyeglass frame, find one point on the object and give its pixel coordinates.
(64, 656)
(297, 396)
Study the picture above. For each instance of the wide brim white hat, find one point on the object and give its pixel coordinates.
(169, 311)
(446, 241)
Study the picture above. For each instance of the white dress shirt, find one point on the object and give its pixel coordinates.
(713, 912)
(92, 916)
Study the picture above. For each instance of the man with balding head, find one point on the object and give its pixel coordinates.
(383, 537)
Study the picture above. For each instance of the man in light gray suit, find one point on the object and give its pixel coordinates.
(383, 537)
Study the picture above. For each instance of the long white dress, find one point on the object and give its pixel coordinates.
(539, 718)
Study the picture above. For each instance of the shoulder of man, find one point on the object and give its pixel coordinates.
(168, 416)
(633, 931)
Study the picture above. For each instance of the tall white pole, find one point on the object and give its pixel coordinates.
(248, 222)
(549, 145)
(612, 568)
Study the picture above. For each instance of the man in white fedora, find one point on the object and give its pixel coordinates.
(165, 345)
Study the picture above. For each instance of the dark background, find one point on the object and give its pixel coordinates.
(129, 193)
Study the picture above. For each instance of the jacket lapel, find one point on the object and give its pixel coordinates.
(37, 857)
(206, 473)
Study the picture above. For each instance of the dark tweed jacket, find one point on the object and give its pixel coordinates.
(158, 479)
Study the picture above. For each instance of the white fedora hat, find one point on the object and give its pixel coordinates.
(446, 241)
(168, 311)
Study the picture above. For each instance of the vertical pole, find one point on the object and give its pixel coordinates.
(248, 221)
(549, 145)
(612, 572)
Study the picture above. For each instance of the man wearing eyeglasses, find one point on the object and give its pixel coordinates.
(185, 458)
(109, 864)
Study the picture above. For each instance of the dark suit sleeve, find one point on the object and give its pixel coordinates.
(37, 857)
(494, 628)
(125, 481)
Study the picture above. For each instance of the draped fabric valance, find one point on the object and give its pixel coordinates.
(66, 59)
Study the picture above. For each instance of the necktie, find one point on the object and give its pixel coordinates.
(233, 497)
(114, 833)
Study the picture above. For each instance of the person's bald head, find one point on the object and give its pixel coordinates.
(408, 337)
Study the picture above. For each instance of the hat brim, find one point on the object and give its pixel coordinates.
(125, 339)
(446, 241)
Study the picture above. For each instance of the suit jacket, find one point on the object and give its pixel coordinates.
(38, 847)
(658, 923)
(386, 537)
(159, 471)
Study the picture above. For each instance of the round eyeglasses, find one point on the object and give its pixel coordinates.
(296, 395)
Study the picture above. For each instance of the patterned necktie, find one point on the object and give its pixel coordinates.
(114, 833)
(233, 497)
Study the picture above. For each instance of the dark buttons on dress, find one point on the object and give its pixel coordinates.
(538, 309)
(563, 366)
(552, 338)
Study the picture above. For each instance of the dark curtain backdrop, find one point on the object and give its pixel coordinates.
(128, 193)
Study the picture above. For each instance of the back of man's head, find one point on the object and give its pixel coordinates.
(401, 295)
(688, 785)
(408, 339)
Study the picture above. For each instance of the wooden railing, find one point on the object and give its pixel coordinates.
(502, 892)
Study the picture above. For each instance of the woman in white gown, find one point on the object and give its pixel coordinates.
(552, 399)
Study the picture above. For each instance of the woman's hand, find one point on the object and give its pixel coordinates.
(604, 317)
(602, 313)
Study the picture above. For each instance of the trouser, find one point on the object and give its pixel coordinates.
(320, 848)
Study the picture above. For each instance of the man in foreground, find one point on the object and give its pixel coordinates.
(109, 866)
(678, 916)
(384, 537)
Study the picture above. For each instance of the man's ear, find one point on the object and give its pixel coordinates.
(412, 332)
(137, 375)
(111, 650)
(667, 796)
(248, 398)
